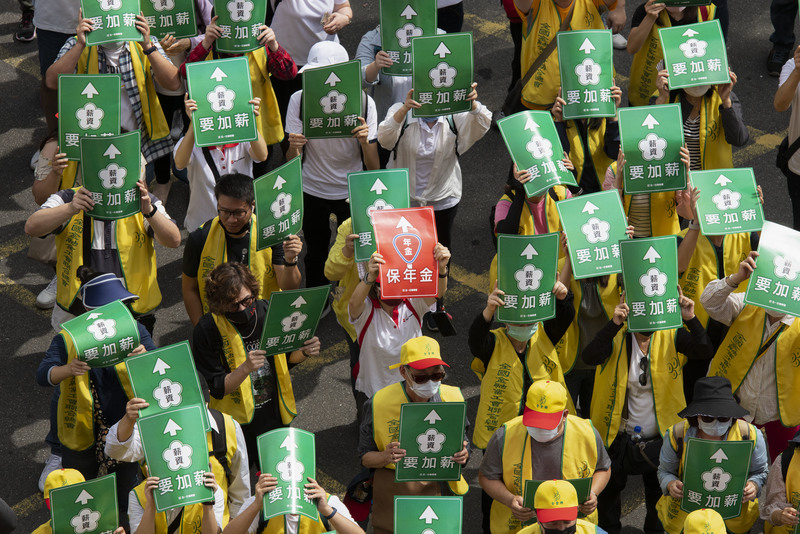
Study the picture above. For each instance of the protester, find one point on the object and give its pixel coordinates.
(704, 521)
(556, 505)
(789, 96)
(204, 518)
(780, 499)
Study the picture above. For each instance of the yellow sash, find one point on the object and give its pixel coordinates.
(611, 383)
(501, 383)
(215, 252)
(76, 405)
(69, 175)
(152, 114)
(386, 419)
(792, 495)
(578, 460)
(703, 267)
(737, 354)
(240, 404)
(715, 151)
(581, 527)
(669, 509)
(191, 520)
(596, 140)
(230, 449)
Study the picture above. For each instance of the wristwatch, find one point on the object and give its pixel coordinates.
(150, 50)
(148, 215)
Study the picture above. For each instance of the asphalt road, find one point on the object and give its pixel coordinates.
(322, 384)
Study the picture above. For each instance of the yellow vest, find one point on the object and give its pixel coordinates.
(736, 356)
(581, 527)
(501, 383)
(137, 260)
(703, 267)
(792, 495)
(541, 91)
(642, 83)
(715, 151)
(152, 114)
(611, 383)
(191, 520)
(240, 403)
(596, 141)
(76, 405)
(663, 213)
(386, 419)
(669, 509)
(578, 460)
(44, 528)
(569, 344)
(277, 525)
(215, 252)
(231, 447)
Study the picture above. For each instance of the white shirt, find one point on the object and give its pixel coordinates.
(291, 522)
(202, 202)
(380, 345)
(136, 511)
(758, 393)
(238, 488)
(794, 120)
(298, 26)
(60, 16)
(425, 158)
(327, 162)
(641, 411)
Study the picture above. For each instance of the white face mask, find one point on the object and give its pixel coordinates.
(543, 435)
(717, 428)
(697, 91)
(426, 390)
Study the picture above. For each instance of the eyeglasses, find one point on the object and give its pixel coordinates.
(422, 379)
(709, 419)
(245, 302)
(238, 214)
(643, 368)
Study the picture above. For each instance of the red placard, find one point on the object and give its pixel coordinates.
(406, 239)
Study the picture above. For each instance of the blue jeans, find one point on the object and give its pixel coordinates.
(783, 13)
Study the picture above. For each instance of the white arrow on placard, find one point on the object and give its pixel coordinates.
(719, 456)
(589, 208)
(408, 13)
(650, 122)
(84, 497)
(378, 187)
(529, 252)
(722, 180)
(279, 181)
(429, 515)
(89, 91)
(218, 75)
(93, 316)
(299, 301)
(161, 367)
(441, 51)
(112, 152)
(404, 224)
(651, 255)
(432, 417)
(690, 33)
(332, 80)
(289, 444)
(587, 46)
(530, 124)
(172, 428)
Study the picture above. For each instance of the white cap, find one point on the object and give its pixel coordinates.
(325, 53)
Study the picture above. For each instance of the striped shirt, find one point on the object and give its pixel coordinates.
(691, 133)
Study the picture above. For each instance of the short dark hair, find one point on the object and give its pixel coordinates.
(224, 284)
(236, 185)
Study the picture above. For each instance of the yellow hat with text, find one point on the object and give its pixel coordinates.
(555, 500)
(420, 353)
(544, 404)
(704, 521)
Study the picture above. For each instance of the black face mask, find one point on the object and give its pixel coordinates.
(568, 530)
(242, 316)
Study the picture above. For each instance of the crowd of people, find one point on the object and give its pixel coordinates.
(578, 396)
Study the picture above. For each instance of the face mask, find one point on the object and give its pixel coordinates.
(697, 91)
(542, 435)
(716, 428)
(112, 47)
(430, 121)
(242, 316)
(426, 390)
(568, 530)
(675, 10)
(522, 332)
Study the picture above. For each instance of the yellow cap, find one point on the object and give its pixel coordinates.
(704, 521)
(420, 353)
(555, 500)
(59, 478)
(544, 404)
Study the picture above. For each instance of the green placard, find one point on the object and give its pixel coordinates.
(279, 204)
(374, 190)
(111, 167)
(526, 273)
(113, 21)
(651, 138)
(650, 272)
(728, 203)
(170, 17)
(240, 22)
(428, 515)
(597, 225)
(86, 507)
(167, 379)
(431, 433)
(176, 450)
(587, 73)
(533, 143)
(88, 106)
(715, 474)
(582, 487)
(695, 54)
(332, 100)
(292, 318)
(442, 73)
(103, 336)
(288, 454)
(774, 285)
(399, 23)
(223, 93)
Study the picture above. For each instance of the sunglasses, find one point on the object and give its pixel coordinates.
(245, 302)
(643, 368)
(422, 379)
(709, 419)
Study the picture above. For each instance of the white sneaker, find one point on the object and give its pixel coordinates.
(34, 160)
(47, 297)
(52, 463)
(619, 41)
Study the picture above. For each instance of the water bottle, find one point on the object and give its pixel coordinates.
(637, 434)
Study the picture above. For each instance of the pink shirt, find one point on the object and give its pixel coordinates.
(537, 211)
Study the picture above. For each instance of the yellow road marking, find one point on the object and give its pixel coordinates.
(482, 28)
(10, 54)
(12, 246)
(330, 484)
(28, 506)
(763, 142)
